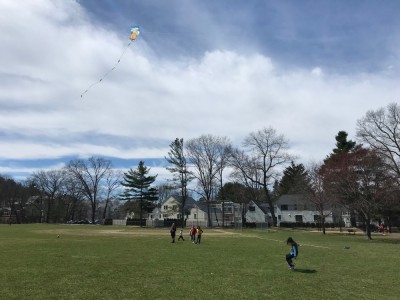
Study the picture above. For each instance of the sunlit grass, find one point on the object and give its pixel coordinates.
(104, 262)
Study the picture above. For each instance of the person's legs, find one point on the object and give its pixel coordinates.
(289, 260)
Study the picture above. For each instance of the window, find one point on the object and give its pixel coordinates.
(299, 218)
(228, 209)
(252, 208)
(284, 207)
(194, 216)
(279, 217)
(165, 207)
(173, 207)
(317, 218)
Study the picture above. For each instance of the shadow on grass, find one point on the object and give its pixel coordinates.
(305, 271)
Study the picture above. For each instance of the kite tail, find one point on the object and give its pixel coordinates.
(106, 74)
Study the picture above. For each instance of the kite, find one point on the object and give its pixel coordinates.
(135, 31)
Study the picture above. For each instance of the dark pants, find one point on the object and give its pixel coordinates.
(289, 260)
(180, 237)
(198, 239)
(173, 237)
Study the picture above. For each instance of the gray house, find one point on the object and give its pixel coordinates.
(257, 213)
(297, 209)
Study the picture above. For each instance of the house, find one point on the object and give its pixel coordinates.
(257, 214)
(232, 213)
(297, 209)
(195, 213)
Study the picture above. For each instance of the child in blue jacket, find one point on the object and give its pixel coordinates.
(294, 252)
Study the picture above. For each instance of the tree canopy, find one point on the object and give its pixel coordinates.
(138, 188)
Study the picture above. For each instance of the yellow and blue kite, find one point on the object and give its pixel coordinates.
(135, 31)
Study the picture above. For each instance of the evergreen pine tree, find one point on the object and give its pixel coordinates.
(138, 188)
(294, 180)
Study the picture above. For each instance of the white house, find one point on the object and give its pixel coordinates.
(257, 213)
(196, 213)
(170, 210)
(297, 209)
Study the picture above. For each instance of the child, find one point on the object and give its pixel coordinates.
(294, 252)
(193, 234)
(181, 235)
(199, 232)
(173, 231)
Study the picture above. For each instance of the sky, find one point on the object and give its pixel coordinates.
(308, 69)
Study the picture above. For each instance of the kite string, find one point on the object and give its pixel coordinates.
(108, 72)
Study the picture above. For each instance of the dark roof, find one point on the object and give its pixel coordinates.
(293, 199)
(190, 202)
(263, 206)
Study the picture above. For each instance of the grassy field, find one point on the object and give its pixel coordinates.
(105, 262)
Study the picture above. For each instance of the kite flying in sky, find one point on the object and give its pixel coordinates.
(135, 31)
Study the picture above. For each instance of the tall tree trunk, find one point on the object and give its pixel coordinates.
(271, 206)
(368, 228)
(105, 210)
(209, 215)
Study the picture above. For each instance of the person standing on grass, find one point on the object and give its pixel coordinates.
(193, 234)
(199, 232)
(173, 232)
(294, 252)
(181, 235)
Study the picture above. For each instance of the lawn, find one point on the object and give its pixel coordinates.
(106, 262)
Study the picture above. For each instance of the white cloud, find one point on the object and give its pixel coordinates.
(48, 59)
(317, 71)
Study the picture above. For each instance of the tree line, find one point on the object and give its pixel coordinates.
(363, 177)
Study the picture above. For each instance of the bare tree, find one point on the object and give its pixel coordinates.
(112, 183)
(381, 131)
(50, 184)
(205, 154)
(164, 192)
(90, 174)
(181, 174)
(225, 151)
(267, 151)
(73, 198)
(246, 172)
(13, 196)
(317, 193)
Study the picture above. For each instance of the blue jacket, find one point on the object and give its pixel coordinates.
(294, 250)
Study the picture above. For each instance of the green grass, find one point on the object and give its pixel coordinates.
(104, 262)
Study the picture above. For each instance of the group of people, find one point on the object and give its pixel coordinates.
(197, 232)
(193, 232)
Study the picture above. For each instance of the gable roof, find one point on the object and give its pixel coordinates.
(264, 208)
(290, 199)
(189, 203)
